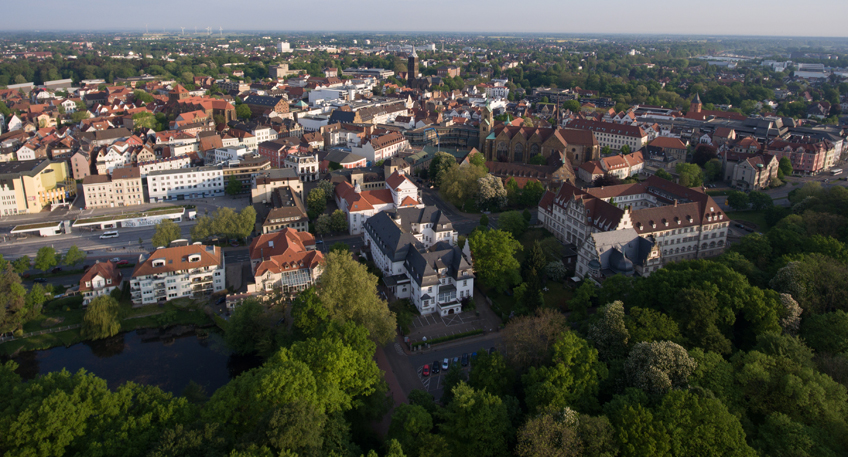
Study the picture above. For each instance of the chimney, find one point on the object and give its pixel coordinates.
(675, 203)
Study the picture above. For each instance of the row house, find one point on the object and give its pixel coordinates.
(808, 155)
(415, 249)
(620, 166)
(122, 188)
(168, 273)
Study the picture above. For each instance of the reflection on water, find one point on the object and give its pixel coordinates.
(144, 357)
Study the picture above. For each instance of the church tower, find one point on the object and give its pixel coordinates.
(487, 121)
(695, 106)
(412, 68)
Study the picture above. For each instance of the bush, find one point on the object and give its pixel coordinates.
(449, 338)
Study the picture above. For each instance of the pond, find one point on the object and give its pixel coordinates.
(147, 356)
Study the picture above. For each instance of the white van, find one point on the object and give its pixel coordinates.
(105, 235)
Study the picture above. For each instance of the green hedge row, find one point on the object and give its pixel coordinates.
(444, 339)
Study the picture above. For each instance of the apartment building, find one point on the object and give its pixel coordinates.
(101, 279)
(416, 250)
(171, 163)
(285, 260)
(615, 136)
(193, 271)
(288, 212)
(245, 171)
(683, 223)
(185, 183)
(358, 205)
(377, 148)
(122, 188)
(266, 182)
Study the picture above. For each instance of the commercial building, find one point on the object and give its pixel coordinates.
(265, 183)
(304, 164)
(185, 183)
(416, 250)
(288, 212)
(377, 148)
(245, 171)
(612, 135)
(193, 271)
(31, 185)
(358, 205)
(101, 279)
(285, 260)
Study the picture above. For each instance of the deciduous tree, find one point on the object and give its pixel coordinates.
(494, 257)
(101, 318)
(166, 231)
(74, 256)
(45, 259)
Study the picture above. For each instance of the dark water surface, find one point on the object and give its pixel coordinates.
(144, 357)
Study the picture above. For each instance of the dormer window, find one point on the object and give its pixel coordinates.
(159, 263)
(108, 281)
(194, 258)
(88, 284)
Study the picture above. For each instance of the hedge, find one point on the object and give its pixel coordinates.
(445, 339)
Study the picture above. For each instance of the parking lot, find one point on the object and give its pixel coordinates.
(434, 383)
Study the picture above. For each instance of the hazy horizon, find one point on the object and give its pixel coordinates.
(778, 18)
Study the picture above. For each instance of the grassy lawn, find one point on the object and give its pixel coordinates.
(557, 296)
(527, 239)
(756, 217)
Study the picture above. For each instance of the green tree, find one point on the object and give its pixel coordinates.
(246, 222)
(323, 225)
(166, 231)
(609, 334)
(410, 424)
(785, 166)
(484, 221)
(494, 257)
(349, 292)
(647, 325)
(658, 366)
(249, 329)
(625, 149)
(476, 423)
(101, 318)
(45, 259)
(565, 433)
(243, 111)
(491, 373)
(34, 300)
(308, 314)
(338, 221)
(12, 295)
(581, 301)
(760, 201)
(737, 200)
(712, 170)
(573, 380)
(690, 174)
(512, 222)
(827, 333)
(664, 174)
(144, 120)
(21, 264)
(532, 194)
(529, 340)
(74, 256)
(234, 186)
(316, 202)
(439, 166)
(142, 96)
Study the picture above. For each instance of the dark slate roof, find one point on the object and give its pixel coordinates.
(343, 157)
(345, 117)
(391, 239)
(424, 266)
(261, 100)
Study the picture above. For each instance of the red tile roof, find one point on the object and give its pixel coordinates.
(284, 251)
(106, 270)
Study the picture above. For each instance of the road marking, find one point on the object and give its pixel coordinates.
(398, 349)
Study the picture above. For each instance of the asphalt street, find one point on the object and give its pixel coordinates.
(434, 384)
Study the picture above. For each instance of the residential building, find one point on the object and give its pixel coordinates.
(620, 166)
(101, 279)
(684, 223)
(259, 104)
(185, 183)
(286, 261)
(415, 248)
(266, 182)
(80, 165)
(122, 188)
(624, 251)
(277, 150)
(808, 155)
(171, 163)
(288, 212)
(377, 148)
(221, 155)
(398, 192)
(192, 271)
(670, 147)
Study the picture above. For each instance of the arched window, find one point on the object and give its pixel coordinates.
(503, 152)
(704, 246)
(712, 245)
(534, 151)
(518, 153)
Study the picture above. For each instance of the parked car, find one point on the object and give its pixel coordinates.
(425, 371)
(123, 262)
(116, 259)
(435, 367)
(455, 360)
(445, 364)
(56, 270)
(39, 280)
(465, 359)
(473, 356)
(221, 301)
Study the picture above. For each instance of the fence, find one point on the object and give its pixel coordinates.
(41, 332)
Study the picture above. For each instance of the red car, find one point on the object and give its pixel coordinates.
(425, 371)
(123, 262)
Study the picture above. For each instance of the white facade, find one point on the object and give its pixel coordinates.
(185, 183)
(8, 202)
(388, 151)
(306, 166)
(171, 273)
(283, 46)
(172, 163)
(227, 154)
(497, 92)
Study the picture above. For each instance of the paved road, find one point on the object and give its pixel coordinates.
(434, 383)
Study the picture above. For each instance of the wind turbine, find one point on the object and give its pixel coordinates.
(221, 31)
(209, 30)
(195, 30)
(183, 31)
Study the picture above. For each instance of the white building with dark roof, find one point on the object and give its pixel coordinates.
(416, 250)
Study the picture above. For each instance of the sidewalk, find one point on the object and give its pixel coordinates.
(395, 390)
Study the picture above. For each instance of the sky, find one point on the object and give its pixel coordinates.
(680, 17)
